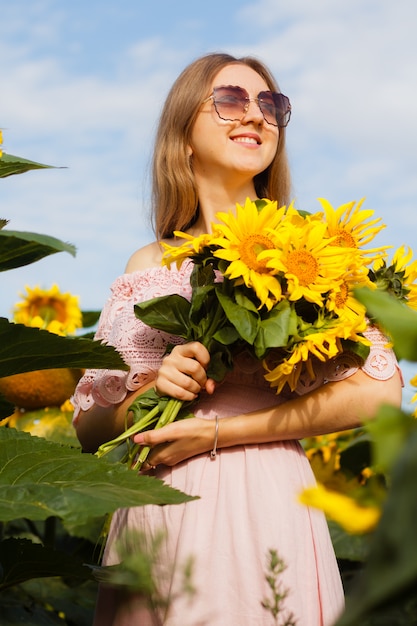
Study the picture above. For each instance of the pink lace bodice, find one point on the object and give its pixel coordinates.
(143, 347)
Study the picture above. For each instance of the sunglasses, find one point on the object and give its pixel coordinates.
(232, 103)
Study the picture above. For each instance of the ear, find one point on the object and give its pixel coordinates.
(189, 151)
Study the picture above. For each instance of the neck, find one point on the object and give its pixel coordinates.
(213, 199)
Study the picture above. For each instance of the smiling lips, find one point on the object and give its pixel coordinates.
(248, 139)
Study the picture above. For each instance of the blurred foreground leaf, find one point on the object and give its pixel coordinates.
(395, 317)
(386, 590)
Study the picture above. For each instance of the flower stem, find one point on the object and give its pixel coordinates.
(132, 430)
(167, 416)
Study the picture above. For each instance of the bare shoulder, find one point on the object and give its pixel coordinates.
(144, 258)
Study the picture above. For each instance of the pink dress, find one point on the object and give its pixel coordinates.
(248, 494)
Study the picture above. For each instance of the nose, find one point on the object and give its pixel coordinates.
(253, 111)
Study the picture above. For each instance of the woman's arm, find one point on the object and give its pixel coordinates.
(182, 375)
(333, 407)
(100, 424)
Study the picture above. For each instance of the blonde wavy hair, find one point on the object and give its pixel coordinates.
(174, 190)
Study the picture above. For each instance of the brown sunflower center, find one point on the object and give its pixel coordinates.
(303, 265)
(49, 309)
(344, 239)
(249, 249)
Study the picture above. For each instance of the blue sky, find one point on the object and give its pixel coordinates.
(82, 84)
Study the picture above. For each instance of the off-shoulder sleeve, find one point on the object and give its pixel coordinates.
(381, 364)
(141, 347)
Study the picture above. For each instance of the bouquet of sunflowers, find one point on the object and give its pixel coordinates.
(279, 282)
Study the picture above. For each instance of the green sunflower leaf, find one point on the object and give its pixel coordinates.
(40, 478)
(22, 248)
(275, 329)
(10, 165)
(245, 322)
(169, 313)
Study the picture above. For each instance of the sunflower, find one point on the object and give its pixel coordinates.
(323, 344)
(48, 309)
(191, 248)
(346, 511)
(1, 142)
(400, 277)
(353, 228)
(320, 340)
(342, 302)
(241, 239)
(309, 261)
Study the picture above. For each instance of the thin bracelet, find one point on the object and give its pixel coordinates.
(213, 453)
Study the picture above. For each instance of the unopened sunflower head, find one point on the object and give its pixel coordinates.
(48, 309)
(399, 278)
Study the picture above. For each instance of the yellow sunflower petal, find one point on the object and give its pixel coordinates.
(353, 517)
(353, 228)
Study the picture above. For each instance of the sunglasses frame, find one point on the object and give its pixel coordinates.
(246, 100)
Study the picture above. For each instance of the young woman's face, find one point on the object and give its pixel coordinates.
(240, 148)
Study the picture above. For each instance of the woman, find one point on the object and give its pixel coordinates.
(221, 140)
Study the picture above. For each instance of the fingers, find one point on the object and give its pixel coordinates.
(148, 467)
(210, 385)
(176, 442)
(182, 374)
(194, 350)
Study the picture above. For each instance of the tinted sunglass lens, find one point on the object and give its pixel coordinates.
(230, 102)
(268, 107)
(283, 109)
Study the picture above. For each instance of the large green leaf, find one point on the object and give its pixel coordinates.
(353, 548)
(39, 479)
(24, 349)
(21, 559)
(18, 248)
(398, 319)
(10, 164)
(49, 602)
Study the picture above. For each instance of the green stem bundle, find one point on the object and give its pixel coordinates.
(163, 412)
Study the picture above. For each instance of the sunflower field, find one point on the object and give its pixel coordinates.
(56, 501)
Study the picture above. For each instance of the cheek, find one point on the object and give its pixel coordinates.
(274, 145)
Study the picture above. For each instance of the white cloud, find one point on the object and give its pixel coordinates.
(349, 68)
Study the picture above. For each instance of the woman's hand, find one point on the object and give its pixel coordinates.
(177, 441)
(182, 374)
